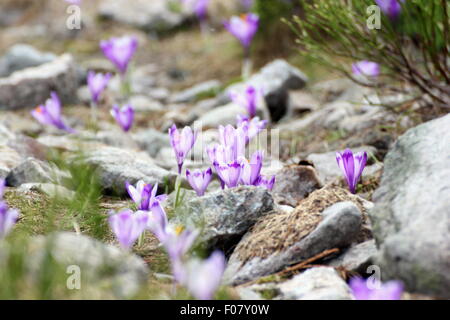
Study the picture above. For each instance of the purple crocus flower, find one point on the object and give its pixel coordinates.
(391, 290)
(391, 8)
(144, 195)
(119, 51)
(8, 217)
(204, 277)
(2, 187)
(251, 169)
(266, 183)
(252, 127)
(124, 116)
(366, 68)
(97, 82)
(182, 143)
(199, 180)
(247, 4)
(229, 173)
(352, 166)
(128, 226)
(201, 9)
(50, 113)
(233, 140)
(243, 28)
(158, 222)
(73, 1)
(248, 100)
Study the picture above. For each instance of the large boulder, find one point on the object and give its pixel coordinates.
(225, 215)
(328, 218)
(275, 79)
(32, 86)
(411, 217)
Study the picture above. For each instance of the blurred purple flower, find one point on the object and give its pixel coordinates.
(248, 100)
(266, 183)
(252, 127)
(128, 226)
(73, 1)
(243, 28)
(124, 116)
(352, 166)
(251, 169)
(182, 143)
(204, 277)
(201, 9)
(229, 173)
(391, 8)
(50, 114)
(97, 82)
(158, 222)
(234, 141)
(8, 218)
(391, 290)
(119, 51)
(366, 68)
(247, 4)
(144, 195)
(199, 180)
(2, 187)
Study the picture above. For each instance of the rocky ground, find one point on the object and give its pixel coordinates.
(302, 240)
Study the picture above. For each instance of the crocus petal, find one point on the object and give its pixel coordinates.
(119, 51)
(8, 217)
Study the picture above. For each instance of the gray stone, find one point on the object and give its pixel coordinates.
(33, 170)
(115, 166)
(411, 217)
(278, 241)
(106, 270)
(294, 183)
(155, 15)
(225, 215)
(22, 56)
(357, 257)
(320, 283)
(192, 94)
(10, 159)
(328, 170)
(32, 86)
(152, 141)
(143, 103)
(275, 79)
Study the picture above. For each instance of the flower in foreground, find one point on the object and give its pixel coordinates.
(391, 8)
(391, 290)
(199, 180)
(251, 169)
(248, 100)
(50, 113)
(8, 217)
(181, 143)
(366, 68)
(128, 226)
(97, 82)
(243, 28)
(124, 116)
(119, 51)
(204, 277)
(352, 165)
(144, 195)
(229, 173)
(2, 187)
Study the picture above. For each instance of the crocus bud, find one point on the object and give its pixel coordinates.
(119, 51)
(243, 28)
(182, 143)
(8, 218)
(352, 166)
(97, 82)
(366, 68)
(199, 180)
(124, 116)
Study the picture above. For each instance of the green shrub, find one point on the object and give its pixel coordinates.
(412, 50)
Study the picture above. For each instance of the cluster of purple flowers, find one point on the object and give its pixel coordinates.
(201, 278)
(363, 290)
(8, 217)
